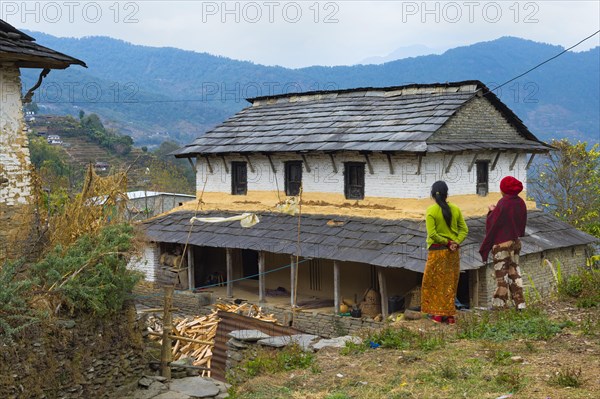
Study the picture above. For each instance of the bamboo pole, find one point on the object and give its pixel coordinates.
(166, 356)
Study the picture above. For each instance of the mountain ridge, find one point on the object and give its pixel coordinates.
(160, 93)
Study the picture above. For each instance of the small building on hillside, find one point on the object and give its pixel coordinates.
(146, 204)
(18, 50)
(54, 139)
(362, 162)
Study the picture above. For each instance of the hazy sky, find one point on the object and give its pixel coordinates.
(303, 33)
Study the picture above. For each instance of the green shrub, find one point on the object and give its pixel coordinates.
(505, 325)
(291, 357)
(567, 378)
(584, 286)
(91, 275)
(15, 312)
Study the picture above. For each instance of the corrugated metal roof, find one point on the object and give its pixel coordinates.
(231, 322)
(400, 119)
(379, 242)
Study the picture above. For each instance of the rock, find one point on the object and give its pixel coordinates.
(412, 315)
(172, 395)
(248, 335)
(338, 342)
(196, 387)
(156, 388)
(145, 382)
(517, 359)
(303, 340)
(223, 386)
(158, 378)
(67, 324)
(237, 344)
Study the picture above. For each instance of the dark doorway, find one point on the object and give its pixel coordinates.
(250, 263)
(482, 178)
(462, 294)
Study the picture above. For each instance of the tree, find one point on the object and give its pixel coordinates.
(567, 184)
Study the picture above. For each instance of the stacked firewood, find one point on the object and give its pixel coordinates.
(248, 310)
(193, 338)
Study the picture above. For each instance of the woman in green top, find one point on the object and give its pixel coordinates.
(446, 230)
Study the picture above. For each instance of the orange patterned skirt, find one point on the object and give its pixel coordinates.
(440, 282)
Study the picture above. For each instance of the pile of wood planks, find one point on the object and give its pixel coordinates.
(248, 310)
(193, 337)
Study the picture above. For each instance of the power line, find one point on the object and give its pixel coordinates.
(236, 99)
(546, 61)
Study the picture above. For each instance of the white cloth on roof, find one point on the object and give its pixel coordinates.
(246, 219)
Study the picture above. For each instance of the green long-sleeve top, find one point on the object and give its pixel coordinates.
(438, 231)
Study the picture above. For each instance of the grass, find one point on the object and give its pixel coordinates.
(473, 360)
(568, 378)
(531, 323)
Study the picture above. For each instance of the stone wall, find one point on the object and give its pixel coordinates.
(537, 276)
(15, 179)
(72, 359)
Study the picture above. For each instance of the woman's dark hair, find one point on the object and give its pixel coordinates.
(439, 192)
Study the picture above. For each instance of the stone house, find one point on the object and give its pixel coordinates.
(18, 50)
(362, 161)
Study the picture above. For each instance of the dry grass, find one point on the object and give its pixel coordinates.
(462, 368)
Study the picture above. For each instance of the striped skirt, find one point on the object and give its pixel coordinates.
(440, 281)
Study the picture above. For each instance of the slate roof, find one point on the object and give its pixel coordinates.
(380, 242)
(391, 119)
(17, 47)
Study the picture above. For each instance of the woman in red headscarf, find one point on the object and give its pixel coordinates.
(504, 225)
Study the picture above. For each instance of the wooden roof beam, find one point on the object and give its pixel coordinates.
(530, 161)
(472, 163)
(419, 163)
(371, 171)
(306, 165)
(335, 169)
(249, 163)
(210, 169)
(495, 161)
(225, 164)
(447, 169)
(514, 161)
(390, 163)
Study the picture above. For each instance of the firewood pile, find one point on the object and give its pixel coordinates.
(201, 328)
(248, 310)
(185, 331)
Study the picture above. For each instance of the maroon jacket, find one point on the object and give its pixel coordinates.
(506, 222)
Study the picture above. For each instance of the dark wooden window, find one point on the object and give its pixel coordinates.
(354, 180)
(482, 177)
(293, 177)
(239, 178)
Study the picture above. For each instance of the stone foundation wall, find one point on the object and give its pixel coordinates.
(74, 359)
(537, 277)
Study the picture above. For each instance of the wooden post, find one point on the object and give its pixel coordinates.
(475, 288)
(336, 286)
(190, 265)
(261, 277)
(166, 356)
(229, 261)
(293, 267)
(383, 292)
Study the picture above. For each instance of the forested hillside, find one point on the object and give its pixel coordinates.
(155, 94)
